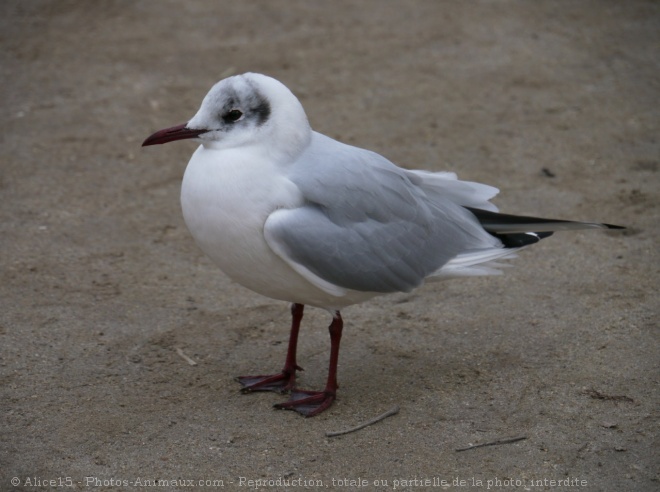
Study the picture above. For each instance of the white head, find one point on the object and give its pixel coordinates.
(249, 109)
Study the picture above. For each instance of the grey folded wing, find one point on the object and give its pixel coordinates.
(365, 226)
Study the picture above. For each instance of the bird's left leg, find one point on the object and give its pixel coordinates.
(310, 403)
(285, 380)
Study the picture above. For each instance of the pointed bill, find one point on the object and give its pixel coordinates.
(179, 132)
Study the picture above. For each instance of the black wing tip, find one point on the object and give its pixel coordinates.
(521, 239)
(493, 222)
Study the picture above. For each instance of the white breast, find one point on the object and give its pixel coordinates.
(226, 197)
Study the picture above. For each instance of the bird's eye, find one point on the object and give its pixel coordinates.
(232, 116)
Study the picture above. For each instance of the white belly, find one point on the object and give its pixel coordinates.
(226, 198)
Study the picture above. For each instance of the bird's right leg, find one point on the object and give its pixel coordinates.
(285, 380)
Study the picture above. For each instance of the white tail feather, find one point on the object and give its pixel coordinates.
(476, 263)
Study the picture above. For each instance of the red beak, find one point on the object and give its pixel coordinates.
(178, 132)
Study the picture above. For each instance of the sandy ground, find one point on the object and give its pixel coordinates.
(554, 102)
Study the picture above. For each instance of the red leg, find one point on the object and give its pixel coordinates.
(310, 403)
(285, 380)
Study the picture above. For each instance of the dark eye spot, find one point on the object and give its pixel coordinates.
(232, 116)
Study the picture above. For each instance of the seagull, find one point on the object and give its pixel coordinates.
(299, 217)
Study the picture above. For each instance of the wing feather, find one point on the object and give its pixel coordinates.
(365, 225)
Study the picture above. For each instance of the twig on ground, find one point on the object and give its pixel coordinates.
(389, 413)
(185, 357)
(493, 443)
